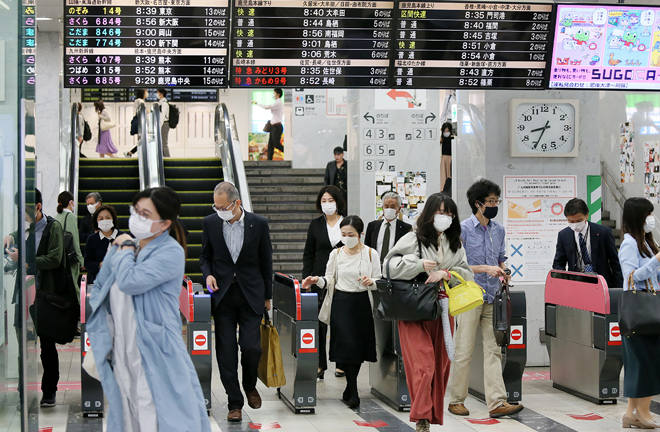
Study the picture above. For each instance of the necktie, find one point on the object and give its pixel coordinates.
(386, 242)
(586, 259)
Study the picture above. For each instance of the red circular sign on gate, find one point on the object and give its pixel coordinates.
(516, 335)
(308, 338)
(87, 342)
(616, 332)
(200, 340)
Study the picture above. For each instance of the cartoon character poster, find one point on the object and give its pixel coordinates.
(606, 46)
(652, 171)
(627, 156)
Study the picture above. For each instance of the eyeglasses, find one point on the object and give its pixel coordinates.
(223, 208)
(494, 201)
(141, 214)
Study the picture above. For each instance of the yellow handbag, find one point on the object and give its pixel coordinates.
(271, 368)
(463, 297)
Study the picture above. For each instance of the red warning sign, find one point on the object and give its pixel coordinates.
(615, 334)
(307, 341)
(307, 338)
(201, 345)
(516, 339)
(88, 344)
(516, 335)
(200, 340)
(615, 331)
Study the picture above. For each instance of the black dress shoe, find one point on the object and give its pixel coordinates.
(321, 374)
(340, 374)
(353, 402)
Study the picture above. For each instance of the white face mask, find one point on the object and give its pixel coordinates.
(329, 208)
(350, 242)
(105, 225)
(139, 228)
(649, 224)
(441, 222)
(578, 226)
(91, 208)
(227, 215)
(446, 134)
(389, 213)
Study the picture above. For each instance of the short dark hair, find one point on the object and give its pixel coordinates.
(353, 221)
(576, 206)
(479, 191)
(635, 211)
(111, 210)
(336, 194)
(162, 91)
(426, 232)
(37, 197)
(278, 91)
(141, 93)
(338, 150)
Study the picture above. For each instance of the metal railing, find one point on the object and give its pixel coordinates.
(70, 158)
(228, 149)
(150, 149)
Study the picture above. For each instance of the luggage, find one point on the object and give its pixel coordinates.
(271, 368)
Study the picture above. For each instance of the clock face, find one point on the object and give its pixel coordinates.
(545, 128)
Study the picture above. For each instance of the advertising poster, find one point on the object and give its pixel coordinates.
(627, 159)
(606, 47)
(652, 171)
(258, 147)
(411, 187)
(534, 214)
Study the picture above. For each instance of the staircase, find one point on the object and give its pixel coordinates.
(194, 181)
(606, 221)
(287, 198)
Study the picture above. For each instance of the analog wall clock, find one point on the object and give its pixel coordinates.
(544, 128)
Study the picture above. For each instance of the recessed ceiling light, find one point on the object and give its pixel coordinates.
(44, 19)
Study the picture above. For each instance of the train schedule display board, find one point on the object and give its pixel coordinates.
(146, 43)
(296, 43)
(444, 44)
(606, 47)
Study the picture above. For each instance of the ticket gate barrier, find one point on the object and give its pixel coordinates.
(514, 357)
(295, 316)
(91, 390)
(583, 336)
(195, 308)
(387, 376)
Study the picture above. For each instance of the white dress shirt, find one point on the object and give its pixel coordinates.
(276, 108)
(234, 235)
(586, 234)
(381, 235)
(164, 111)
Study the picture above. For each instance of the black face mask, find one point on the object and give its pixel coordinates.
(490, 212)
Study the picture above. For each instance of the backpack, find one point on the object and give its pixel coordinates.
(87, 132)
(71, 256)
(134, 125)
(174, 116)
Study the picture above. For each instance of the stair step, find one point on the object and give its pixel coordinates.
(184, 173)
(267, 164)
(287, 256)
(274, 189)
(289, 227)
(111, 183)
(167, 163)
(117, 171)
(605, 215)
(277, 172)
(277, 237)
(289, 267)
(288, 246)
(291, 216)
(263, 208)
(192, 184)
(108, 161)
(608, 223)
(293, 180)
(282, 198)
(618, 233)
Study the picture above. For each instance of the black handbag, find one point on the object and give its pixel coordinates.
(502, 315)
(56, 316)
(406, 300)
(639, 311)
(69, 245)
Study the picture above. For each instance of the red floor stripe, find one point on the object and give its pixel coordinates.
(486, 421)
(590, 416)
(264, 426)
(375, 423)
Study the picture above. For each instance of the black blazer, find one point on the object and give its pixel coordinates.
(371, 238)
(95, 250)
(85, 227)
(317, 248)
(604, 256)
(330, 171)
(254, 267)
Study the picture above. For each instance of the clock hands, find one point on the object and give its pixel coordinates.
(542, 129)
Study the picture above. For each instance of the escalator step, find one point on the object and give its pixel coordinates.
(192, 184)
(192, 162)
(119, 171)
(108, 161)
(121, 183)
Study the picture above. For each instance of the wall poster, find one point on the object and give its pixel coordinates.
(411, 187)
(652, 171)
(627, 160)
(534, 215)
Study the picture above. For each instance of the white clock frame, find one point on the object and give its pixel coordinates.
(513, 138)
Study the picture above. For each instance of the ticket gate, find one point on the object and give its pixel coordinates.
(91, 391)
(583, 336)
(387, 376)
(195, 307)
(295, 316)
(514, 357)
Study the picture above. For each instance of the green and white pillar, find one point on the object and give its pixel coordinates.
(594, 194)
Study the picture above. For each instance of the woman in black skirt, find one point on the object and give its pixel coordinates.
(350, 274)
(640, 264)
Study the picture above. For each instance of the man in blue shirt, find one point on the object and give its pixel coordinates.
(484, 242)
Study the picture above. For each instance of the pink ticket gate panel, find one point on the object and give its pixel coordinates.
(582, 335)
(91, 391)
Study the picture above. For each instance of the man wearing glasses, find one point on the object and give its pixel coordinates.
(484, 242)
(237, 264)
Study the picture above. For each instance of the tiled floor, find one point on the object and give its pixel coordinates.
(547, 409)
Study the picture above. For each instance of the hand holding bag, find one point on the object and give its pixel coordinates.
(271, 368)
(502, 315)
(639, 310)
(465, 296)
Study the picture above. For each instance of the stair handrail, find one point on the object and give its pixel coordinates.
(70, 158)
(150, 156)
(228, 149)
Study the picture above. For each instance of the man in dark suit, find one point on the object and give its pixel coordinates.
(86, 227)
(384, 239)
(336, 173)
(237, 264)
(586, 246)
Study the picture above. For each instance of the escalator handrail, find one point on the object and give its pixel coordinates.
(71, 158)
(150, 151)
(228, 149)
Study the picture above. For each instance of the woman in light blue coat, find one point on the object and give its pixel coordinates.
(135, 327)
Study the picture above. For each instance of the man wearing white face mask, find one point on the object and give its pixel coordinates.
(86, 228)
(383, 234)
(587, 247)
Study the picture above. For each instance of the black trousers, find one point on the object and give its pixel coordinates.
(234, 310)
(51, 364)
(274, 140)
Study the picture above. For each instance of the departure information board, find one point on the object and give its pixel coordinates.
(180, 94)
(296, 43)
(443, 44)
(135, 43)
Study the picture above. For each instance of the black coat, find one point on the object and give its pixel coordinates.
(254, 267)
(371, 237)
(85, 227)
(317, 248)
(604, 256)
(95, 250)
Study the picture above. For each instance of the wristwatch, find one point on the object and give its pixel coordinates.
(130, 243)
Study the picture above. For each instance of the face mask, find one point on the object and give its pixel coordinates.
(578, 226)
(140, 229)
(91, 208)
(226, 215)
(446, 134)
(389, 213)
(105, 225)
(350, 242)
(441, 222)
(329, 208)
(490, 212)
(649, 225)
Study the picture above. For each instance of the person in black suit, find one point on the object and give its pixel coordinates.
(323, 236)
(336, 173)
(237, 264)
(86, 228)
(586, 246)
(105, 221)
(383, 240)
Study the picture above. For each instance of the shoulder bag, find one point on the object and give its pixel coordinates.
(268, 126)
(326, 307)
(406, 300)
(69, 245)
(465, 296)
(502, 315)
(639, 310)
